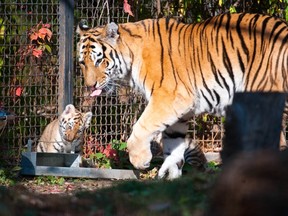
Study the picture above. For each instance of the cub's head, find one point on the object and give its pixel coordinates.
(98, 57)
(72, 123)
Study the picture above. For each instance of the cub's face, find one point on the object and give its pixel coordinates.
(72, 123)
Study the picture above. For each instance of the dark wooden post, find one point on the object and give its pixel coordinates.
(66, 20)
(253, 122)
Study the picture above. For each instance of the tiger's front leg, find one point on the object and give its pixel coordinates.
(155, 118)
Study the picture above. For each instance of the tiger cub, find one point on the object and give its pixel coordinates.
(65, 134)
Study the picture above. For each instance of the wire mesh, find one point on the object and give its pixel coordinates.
(28, 79)
(208, 131)
(116, 113)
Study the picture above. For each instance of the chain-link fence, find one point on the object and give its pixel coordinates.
(39, 73)
(28, 71)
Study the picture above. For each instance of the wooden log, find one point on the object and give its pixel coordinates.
(253, 122)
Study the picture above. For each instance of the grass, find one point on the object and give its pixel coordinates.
(8, 176)
(185, 196)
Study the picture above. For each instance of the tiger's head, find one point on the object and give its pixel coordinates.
(72, 123)
(97, 55)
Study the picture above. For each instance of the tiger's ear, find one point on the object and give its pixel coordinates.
(82, 27)
(87, 117)
(111, 32)
(69, 109)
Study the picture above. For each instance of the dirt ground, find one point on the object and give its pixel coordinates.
(50, 195)
(34, 197)
(75, 196)
(69, 187)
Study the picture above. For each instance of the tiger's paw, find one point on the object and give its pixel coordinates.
(171, 168)
(140, 160)
(169, 173)
(139, 157)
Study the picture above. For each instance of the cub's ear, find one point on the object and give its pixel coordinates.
(69, 109)
(82, 27)
(111, 32)
(87, 118)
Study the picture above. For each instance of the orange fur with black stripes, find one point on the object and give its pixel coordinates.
(184, 70)
(65, 134)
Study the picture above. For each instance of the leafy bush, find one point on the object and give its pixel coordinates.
(112, 155)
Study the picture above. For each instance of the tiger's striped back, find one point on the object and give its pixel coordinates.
(185, 70)
(209, 61)
(65, 134)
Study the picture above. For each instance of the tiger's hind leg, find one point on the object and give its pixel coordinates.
(175, 157)
(195, 156)
(283, 142)
(173, 151)
(174, 146)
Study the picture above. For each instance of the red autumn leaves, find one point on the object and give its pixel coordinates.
(39, 36)
(93, 146)
(127, 8)
(109, 152)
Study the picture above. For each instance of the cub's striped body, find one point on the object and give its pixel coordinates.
(185, 70)
(65, 134)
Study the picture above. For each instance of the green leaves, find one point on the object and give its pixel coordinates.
(286, 12)
(101, 160)
(232, 9)
(48, 48)
(50, 180)
(113, 155)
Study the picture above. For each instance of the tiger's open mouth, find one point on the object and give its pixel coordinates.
(95, 92)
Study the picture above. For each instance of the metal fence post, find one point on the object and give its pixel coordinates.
(66, 19)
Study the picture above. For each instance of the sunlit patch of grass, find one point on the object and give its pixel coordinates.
(183, 196)
(8, 176)
(51, 180)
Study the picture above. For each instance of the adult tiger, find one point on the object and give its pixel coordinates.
(184, 70)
